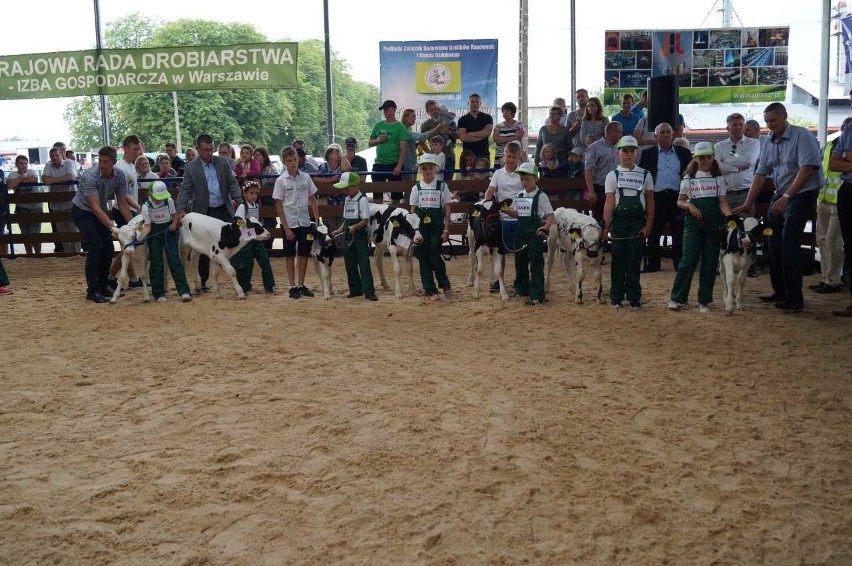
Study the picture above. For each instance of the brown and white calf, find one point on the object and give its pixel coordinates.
(578, 236)
(219, 241)
(739, 247)
(135, 250)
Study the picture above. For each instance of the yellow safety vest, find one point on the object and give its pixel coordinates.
(832, 178)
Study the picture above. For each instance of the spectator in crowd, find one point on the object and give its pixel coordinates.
(390, 138)
(356, 162)
(176, 162)
(143, 171)
(792, 157)
(507, 130)
(575, 118)
(209, 187)
(548, 165)
(164, 169)
(247, 167)
(626, 116)
(555, 134)
(560, 102)
(268, 173)
(329, 173)
(483, 168)
(666, 163)
(752, 130)
(20, 176)
(132, 147)
(475, 128)
(313, 164)
(639, 107)
(56, 175)
(436, 150)
(841, 162)
(681, 142)
(468, 164)
(599, 159)
(304, 165)
(594, 121)
(436, 116)
(191, 154)
(226, 151)
(828, 237)
(574, 167)
(417, 141)
(98, 186)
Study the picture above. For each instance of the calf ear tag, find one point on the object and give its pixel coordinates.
(504, 207)
(309, 237)
(427, 220)
(732, 224)
(395, 223)
(240, 222)
(575, 236)
(767, 231)
(475, 213)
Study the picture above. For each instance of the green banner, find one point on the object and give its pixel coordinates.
(709, 95)
(163, 69)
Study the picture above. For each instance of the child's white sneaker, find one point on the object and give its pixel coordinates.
(162, 300)
(703, 308)
(674, 305)
(185, 298)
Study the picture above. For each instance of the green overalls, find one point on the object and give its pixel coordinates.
(627, 220)
(701, 239)
(252, 251)
(529, 262)
(162, 239)
(357, 256)
(431, 213)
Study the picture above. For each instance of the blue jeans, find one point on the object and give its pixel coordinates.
(98, 240)
(510, 233)
(785, 245)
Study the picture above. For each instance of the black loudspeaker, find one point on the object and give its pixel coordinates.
(663, 101)
(32, 156)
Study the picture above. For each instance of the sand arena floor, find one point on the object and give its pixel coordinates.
(274, 431)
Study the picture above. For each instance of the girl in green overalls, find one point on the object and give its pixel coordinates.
(534, 212)
(160, 232)
(628, 216)
(702, 194)
(356, 215)
(430, 200)
(254, 250)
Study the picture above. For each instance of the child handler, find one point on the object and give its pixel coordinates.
(356, 256)
(430, 200)
(160, 231)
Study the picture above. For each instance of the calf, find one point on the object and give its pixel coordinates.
(485, 232)
(132, 249)
(739, 247)
(323, 251)
(219, 241)
(395, 230)
(579, 237)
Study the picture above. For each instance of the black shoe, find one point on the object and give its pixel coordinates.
(136, 283)
(204, 288)
(829, 289)
(773, 298)
(109, 293)
(651, 270)
(635, 304)
(371, 297)
(294, 293)
(752, 271)
(495, 287)
(305, 292)
(788, 307)
(353, 295)
(97, 298)
(819, 285)
(532, 302)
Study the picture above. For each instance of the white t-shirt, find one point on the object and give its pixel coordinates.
(507, 185)
(703, 185)
(636, 180)
(161, 214)
(295, 192)
(430, 195)
(129, 170)
(20, 189)
(440, 164)
(737, 160)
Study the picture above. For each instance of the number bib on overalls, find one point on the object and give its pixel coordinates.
(350, 210)
(524, 206)
(160, 213)
(429, 198)
(631, 183)
(703, 187)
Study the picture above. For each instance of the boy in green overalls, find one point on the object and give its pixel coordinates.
(628, 216)
(356, 256)
(430, 200)
(534, 212)
(160, 231)
(702, 194)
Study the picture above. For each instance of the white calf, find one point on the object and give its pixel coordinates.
(395, 230)
(132, 250)
(579, 237)
(219, 241)
(738, 251)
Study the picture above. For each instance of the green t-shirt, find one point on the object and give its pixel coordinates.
(388, 153)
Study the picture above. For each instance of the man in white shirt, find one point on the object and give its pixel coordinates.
(56, 175)
(737, 156)
(132, 146)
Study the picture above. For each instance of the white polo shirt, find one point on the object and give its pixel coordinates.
(507, 185)
(295, 192)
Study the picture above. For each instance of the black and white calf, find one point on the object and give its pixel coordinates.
(395, 230)
(323, 251)
(578, 236)
(485, 233)
(132, 250)
(739, 247)
(219, 241)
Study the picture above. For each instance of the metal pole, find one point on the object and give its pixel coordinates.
(177, 121)
(329, 92)
(100, 46)
(523, 86)
(822, 131)
(573, 55)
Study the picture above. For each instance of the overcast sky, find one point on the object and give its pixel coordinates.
(357, 26)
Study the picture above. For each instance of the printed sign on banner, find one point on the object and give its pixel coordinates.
(712, 65)
(413, 72)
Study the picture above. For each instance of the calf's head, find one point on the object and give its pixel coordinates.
(586, 239)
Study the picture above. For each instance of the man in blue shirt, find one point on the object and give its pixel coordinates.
(627, 118)
(791, 155)
(841, 160)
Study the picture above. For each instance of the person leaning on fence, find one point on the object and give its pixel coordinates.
(98, 185)
(254, 250)
(160, 231)
(20, 176)
(628, 217)
(430, 200)
(56, 175)
(702, 195)
(534, 212)
(356, 252)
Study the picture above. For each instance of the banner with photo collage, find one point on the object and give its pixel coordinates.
(731, 65)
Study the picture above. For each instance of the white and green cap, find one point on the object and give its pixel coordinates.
(703, 148)
(348, 179)
(627, 141)
(159, 191)
(427, 159)
(526, 168)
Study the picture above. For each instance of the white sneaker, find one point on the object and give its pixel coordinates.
(673, 305)
(185, 298)
(162, 300)
(703, 308)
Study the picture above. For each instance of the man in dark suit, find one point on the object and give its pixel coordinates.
(208, 187)
(666, 163)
